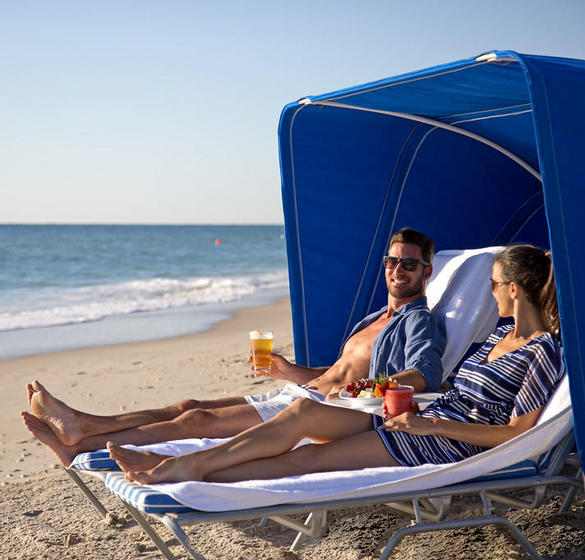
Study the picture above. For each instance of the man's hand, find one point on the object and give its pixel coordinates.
(334, 392)
(411, 424)
(280, 368)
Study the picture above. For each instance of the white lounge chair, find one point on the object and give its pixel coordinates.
(531, 460)
(459, 278)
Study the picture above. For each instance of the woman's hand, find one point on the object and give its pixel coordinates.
(411, 424)
(413, 408)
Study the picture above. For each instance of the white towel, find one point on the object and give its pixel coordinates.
(553, 424)
(459, 290)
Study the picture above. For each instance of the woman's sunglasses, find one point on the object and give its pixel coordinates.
(495, 285)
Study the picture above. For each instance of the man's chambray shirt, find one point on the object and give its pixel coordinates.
(414, 338)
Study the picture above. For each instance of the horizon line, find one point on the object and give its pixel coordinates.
(181, 224)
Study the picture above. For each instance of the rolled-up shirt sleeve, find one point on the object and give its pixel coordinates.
(425, 343)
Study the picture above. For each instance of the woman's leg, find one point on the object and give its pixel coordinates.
(351, 453)
(304, 418)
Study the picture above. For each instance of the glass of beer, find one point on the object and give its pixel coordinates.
(261, 345)
(398, 400)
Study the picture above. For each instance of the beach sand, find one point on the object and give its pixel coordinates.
(43, 515)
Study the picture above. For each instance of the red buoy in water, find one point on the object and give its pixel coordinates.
(218, 241)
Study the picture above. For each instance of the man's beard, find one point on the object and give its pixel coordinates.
(416, 288)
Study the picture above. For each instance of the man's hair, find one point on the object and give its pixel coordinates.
(413, 237)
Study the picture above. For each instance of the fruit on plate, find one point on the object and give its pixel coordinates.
(375, 388)
(356, 387)
(380, 388)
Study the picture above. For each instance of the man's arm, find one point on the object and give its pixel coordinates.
(412, 377)
(425, 344)
(281, 368)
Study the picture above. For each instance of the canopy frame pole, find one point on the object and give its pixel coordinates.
(437, 124)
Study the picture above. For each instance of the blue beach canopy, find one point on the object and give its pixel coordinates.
(479, 152)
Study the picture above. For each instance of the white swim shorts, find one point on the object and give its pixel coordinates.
(270, 404)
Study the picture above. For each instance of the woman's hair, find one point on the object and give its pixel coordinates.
(531, 268)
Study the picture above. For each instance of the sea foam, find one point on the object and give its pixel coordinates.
(49, 307)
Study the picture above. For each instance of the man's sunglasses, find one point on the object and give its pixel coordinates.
(407, 264)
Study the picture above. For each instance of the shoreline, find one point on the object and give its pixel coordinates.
(144, 326)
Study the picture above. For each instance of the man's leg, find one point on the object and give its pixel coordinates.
(218, 422)
(71, 426)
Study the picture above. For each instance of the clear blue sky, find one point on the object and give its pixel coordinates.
(166, 111)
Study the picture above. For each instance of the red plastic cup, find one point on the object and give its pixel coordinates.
(398, 400)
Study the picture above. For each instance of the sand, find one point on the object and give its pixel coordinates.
(43, 515)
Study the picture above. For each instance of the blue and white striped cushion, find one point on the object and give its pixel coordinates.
(517, 470)
(143, 498)
(94, 461)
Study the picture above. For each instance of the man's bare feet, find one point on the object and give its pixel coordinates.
(64, 421)
(134, 460)
(45, 435)
(29, 393)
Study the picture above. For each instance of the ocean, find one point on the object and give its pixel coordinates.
(71, 286)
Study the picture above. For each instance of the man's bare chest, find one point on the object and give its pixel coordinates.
(363, 340)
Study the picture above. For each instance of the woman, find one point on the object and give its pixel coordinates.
(497, 395)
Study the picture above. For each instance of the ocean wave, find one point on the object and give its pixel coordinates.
(92, 303)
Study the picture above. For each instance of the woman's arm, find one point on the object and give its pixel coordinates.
(483, 435)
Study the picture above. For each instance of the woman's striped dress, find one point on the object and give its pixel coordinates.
(483, 393)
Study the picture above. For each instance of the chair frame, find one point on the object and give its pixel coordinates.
(315, 522)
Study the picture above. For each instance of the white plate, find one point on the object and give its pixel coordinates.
(357, 402)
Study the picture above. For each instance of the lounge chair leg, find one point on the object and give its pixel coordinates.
(524, 542)
(449, 525)
(435, 509)
(571, 494)
(88, 493)
(298, 542)
(154, 536)
(313, 526)
(317, 523)
(176, 529)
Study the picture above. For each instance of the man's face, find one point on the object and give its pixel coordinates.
(401, 283)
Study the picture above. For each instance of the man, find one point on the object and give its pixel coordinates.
(404, 340)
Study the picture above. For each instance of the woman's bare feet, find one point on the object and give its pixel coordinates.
(131, 460)
(173, 469)
(146, 467)
(45, 435)
(64, 421)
